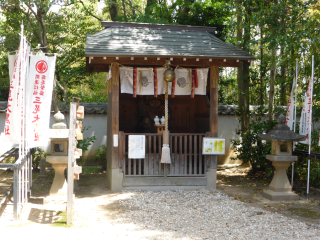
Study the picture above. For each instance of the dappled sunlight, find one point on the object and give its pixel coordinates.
(234, 171)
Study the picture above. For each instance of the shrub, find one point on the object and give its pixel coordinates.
(101, 157)
(249, 147)
(37, 154)
(301, 170)
(86, 142)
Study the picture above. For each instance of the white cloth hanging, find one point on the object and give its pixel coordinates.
(182, 87)
(183, 82)
(202, 81)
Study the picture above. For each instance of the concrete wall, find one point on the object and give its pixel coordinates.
(226, 130)
(98, 124)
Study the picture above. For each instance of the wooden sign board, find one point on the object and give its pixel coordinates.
(76, 176)
(79, 125)
(79, 136)
(77, 169)
(78, 153)
(80, 112)
(213, 146)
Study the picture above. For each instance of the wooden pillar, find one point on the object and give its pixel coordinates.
(114, 174)
(113, 117)
(214, 81)
(213, 120)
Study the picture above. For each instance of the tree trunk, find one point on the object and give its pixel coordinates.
(243, 71)
(113, 10)
(272, 77)
(148, 9)
(283, 67)
(262, 69)
(124, 10)
(132, 7)
(283, 75)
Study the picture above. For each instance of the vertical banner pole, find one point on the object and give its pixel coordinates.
(295, 102)
(309, 132)
(71, 149)
(292, 175)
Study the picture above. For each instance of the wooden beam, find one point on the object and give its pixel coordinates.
(214, 81)
(97, 63)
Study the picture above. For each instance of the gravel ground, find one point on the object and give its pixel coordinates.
(192, 214)
(183, 214)
(203, 214)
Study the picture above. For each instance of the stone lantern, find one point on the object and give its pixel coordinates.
(59, 135)
(281, 156)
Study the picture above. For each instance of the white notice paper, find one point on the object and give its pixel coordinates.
(137, 146)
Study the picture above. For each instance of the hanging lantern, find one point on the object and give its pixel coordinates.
(168, 75)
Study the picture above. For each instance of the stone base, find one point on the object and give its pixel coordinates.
(114, 178)
(211, 175)
(280, 196)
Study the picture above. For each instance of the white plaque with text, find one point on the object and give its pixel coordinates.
(213, 146)
(137, 146)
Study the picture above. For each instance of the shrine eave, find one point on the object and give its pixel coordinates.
(101, 64)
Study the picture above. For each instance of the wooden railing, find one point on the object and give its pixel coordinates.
(186, 156)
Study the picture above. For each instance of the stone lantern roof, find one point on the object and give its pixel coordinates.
(282, 133)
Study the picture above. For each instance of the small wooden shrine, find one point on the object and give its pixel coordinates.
(135, 54)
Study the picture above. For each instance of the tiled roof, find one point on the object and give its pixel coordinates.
(121, 41)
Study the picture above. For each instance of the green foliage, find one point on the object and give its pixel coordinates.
(301, 170)
(90, 170)
(86, 142)
(249, 148)
(101, 157)
(228, 91)
(37, 154)
(4, 89)
(92, 91)
(314, 141)
(54, 34)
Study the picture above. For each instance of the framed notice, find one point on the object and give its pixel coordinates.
(137, 146)
(213, 146)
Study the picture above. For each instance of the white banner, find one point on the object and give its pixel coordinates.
(39, 96)
(290, 111)
(15, 107)
(11, 60)
(306, 115)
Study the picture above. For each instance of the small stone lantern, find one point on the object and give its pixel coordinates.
(59, 135)
(281, 156)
